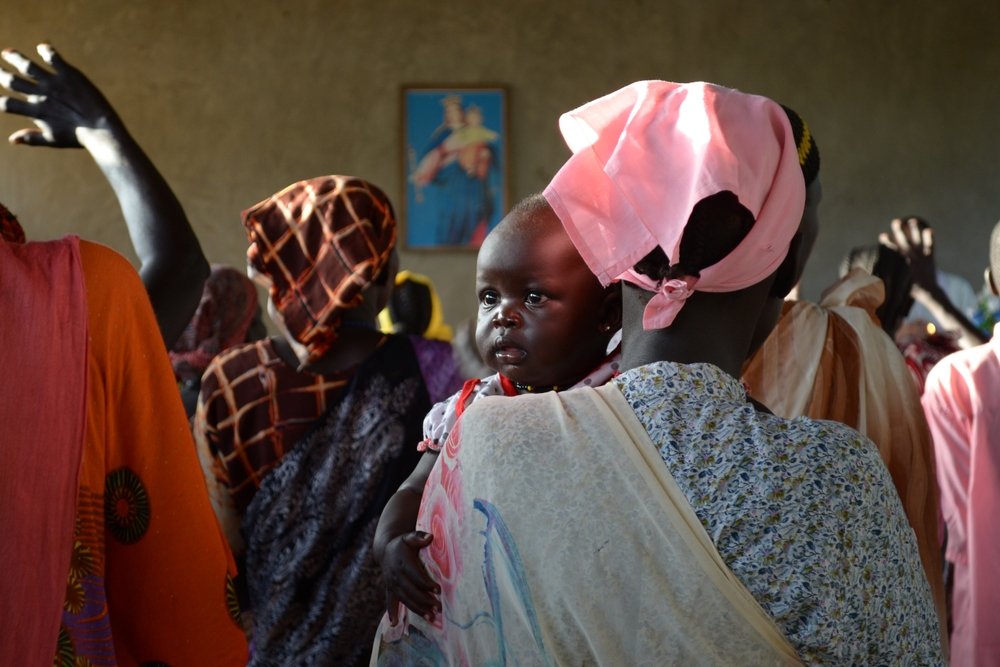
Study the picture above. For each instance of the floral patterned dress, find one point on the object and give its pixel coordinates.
(801, 510)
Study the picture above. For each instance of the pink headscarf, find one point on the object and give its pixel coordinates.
(645, 155)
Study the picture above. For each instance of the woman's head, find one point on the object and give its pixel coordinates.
(414, 308)
(544, 319)
(324, 248)
(454, 114)
(648, 156)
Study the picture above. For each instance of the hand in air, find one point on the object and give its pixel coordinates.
(64, 105)
(913, 238)
(406, 578)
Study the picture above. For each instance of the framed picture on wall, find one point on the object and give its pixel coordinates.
(454, 165)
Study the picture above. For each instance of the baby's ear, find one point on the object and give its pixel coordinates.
(610, 312)
(991, 281)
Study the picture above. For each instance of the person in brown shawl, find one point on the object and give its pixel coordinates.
(305, 436)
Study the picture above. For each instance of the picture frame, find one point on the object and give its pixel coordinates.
(454, 164)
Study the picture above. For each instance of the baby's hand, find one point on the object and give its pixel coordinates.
(406, 578)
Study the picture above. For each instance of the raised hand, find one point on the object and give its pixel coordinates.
(64, 105)
(913, 238)
(69, 111)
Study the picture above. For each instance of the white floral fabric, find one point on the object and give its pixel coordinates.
(803, 511)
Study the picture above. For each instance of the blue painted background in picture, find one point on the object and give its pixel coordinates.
(454, 153)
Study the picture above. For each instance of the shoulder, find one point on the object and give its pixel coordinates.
(973, 366)
(108, 273)
(820, 439)
(807, 427)
(236, 361)
(798, 318)
(100, 260)
(495, 412)
(858, 288)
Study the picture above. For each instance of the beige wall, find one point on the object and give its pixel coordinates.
(235, 99)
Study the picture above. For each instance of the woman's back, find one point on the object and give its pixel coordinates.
(802, 511)
(312, 580)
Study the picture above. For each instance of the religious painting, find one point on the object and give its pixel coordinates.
(454, 164)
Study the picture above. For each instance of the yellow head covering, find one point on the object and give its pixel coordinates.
(389, 319)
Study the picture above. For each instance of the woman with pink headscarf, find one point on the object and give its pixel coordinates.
(667, 517)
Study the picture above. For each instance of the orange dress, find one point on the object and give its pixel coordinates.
(150, 577)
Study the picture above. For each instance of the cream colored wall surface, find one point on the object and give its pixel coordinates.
(234, 100)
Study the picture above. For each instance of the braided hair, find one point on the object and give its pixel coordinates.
(718, 223)
(805, 144)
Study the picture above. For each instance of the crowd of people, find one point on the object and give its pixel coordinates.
(643, 449)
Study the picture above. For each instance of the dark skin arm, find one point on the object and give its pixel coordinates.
(397, 548)
(70, 112)
(914, 239)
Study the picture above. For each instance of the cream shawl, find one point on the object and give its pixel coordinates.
(561, 538)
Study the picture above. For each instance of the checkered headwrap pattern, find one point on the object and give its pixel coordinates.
(321, 242)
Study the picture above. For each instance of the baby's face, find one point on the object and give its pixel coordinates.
(540, 309)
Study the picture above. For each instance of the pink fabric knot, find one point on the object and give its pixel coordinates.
(677, 289)
(670, 297)
(667, 302)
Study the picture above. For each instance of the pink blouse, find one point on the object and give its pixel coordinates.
(962, 403)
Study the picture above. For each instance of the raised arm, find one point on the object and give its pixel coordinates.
(914, 239)
(70, 112)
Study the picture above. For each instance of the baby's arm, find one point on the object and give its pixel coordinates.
(397, 547)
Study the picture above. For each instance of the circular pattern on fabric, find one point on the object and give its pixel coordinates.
(64, 649)
(81, 562)
(233, 602)
(75, 596)
(126, 505)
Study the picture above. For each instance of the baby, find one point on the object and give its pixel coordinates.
(544, 324)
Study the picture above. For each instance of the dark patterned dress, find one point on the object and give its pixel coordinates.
(314, 587)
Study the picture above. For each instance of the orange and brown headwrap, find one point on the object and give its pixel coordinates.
(321, 242)
(10, 228)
